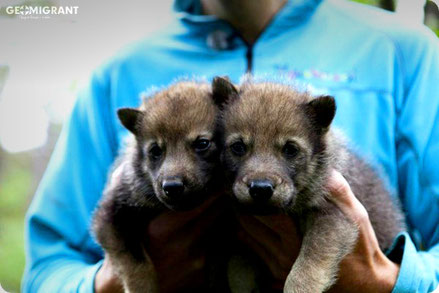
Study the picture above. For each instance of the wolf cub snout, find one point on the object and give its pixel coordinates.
(278, 152)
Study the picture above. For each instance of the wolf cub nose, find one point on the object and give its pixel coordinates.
(173, 187)
(261, 189)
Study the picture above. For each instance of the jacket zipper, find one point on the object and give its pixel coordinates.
(249, 57)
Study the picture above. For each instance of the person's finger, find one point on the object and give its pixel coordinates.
(266, 256)
(260, 231)
(169, 222)
(367, 244)
(282, 224)
(116, 174)
(278, 249)
(192, 233)
(341, 194)
(106, 279)
(339, 189)
(191, 276)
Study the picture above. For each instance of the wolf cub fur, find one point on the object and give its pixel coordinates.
(169, 163)
(278, 151)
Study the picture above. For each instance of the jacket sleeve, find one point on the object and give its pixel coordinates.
(61, 255)
(417, 148)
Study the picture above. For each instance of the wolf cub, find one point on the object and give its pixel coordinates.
(278, 151)
(169, 163)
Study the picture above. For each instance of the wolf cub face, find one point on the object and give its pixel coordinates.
(175, 145)
(274, 142)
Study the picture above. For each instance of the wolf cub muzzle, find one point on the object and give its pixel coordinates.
(278, 152)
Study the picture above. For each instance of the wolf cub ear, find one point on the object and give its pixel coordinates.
(322, 111)
(223, 91)
(129, 117)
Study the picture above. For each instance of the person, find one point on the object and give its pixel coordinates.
(384, 75)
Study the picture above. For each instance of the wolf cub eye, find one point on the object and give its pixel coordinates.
(238, 148)
(201, 145)
(290, 150)
(155, 152)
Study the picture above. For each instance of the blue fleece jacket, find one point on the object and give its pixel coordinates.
(384, 75)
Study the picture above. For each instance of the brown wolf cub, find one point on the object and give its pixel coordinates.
(170, 162)
(278, 151)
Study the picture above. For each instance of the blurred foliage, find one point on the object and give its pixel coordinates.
(431, 11)
(19, 176)
(432, 16)
(369, 2)
(15, 189)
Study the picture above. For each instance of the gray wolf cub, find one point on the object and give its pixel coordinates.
(278, 151)
(170, 162)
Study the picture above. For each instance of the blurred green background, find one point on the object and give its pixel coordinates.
(19, 177)
(20, 173)
(15, 191)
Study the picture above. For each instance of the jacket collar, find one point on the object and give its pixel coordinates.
(294, 13)
(221, 36)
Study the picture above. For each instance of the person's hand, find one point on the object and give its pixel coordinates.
(175, 243)
(366, 269)
(106, 280)
(277, 242)
(275, 239)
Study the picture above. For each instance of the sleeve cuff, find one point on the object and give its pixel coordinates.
(87, 285)
(404, 252)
